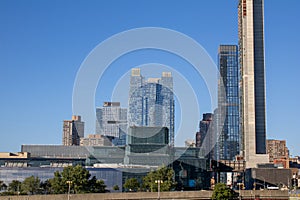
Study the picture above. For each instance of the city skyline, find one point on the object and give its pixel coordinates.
(37, 63)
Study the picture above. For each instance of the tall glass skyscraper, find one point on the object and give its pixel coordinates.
(112, 121)
(228, 103)
(251, 57)
(151, 102)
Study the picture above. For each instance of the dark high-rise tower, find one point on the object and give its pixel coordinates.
(251, 56)
(205, 137)
(228, 144)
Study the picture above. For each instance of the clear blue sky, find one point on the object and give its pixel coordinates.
(43, 43)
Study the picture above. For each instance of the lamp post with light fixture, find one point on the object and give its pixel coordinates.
(158, 187)
(69, 182)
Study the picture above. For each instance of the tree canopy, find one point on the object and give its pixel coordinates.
(116, 187)
(3, 186)
(163, 174)
(31, 185)
(131, 185)
(14, 186)
(222, 192)
(57, 186)
(79, 180)
(78, 177)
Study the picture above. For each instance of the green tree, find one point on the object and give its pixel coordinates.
(131, 185)
(45, 187)
(56, 184)
(163, 174)
(3, 186)
(96, 186)
(116, 187)
(14, 186)
(31, 185)
(79, 179)
(222, 192)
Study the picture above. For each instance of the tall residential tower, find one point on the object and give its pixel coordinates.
(151, 102)
(251, 57)
(228, 103)
(73, 130)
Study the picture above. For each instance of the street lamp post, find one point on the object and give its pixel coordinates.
(158, 187)
(239, 184)
(69, 182)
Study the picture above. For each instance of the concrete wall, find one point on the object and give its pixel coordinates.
(193, 195)
(205, 195)
(294, 198)
(264, 194)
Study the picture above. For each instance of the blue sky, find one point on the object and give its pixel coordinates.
(43, 44)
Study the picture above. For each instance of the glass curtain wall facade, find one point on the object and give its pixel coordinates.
(228, 103)
(112, 121)
(151, 102)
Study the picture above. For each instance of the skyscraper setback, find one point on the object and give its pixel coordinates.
(251, 56)
(228, 103)
(151, 102)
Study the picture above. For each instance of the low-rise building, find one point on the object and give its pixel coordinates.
(14, 155)
(95, 140)
(278, 153)
(263, 178)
